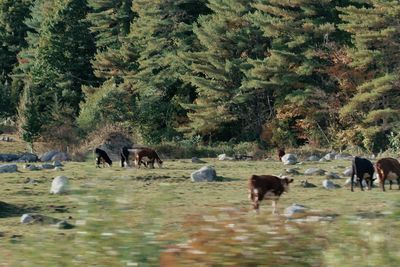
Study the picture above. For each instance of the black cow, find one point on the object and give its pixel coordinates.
(362, 169)
(125, 156)
(102, 157)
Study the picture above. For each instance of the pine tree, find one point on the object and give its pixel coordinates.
(12, 38)
(226, 42)
(374, 108)
(28, 118)
(110, 21)
(292, 72)
(59, 54)
(161, 31)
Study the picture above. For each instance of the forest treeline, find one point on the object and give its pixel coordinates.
(276, 72)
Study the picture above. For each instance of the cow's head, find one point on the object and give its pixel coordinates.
(285, 181)
(159, 162)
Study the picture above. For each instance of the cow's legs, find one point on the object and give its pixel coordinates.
(398, 182)
(274, 205)
(361, 185)
(390, 184)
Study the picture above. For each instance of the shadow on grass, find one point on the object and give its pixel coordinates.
(226, 179)
(11, 210)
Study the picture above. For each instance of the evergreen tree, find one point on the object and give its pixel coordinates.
(292, 72)
(12, 38)
(110, 20)
(28, 117)
(227, 41)
(374, 108)
(59, 54)
(161, 31)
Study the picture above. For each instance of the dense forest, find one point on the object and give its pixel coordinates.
(275, 72)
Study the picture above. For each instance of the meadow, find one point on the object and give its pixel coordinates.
(158, 217)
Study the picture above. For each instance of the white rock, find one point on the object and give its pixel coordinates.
(295, 210)
(328, 184)
(224, 157)
(289, 159)
(348, 171)
(26, 218)
(330, 156)
(314, 171)
(59, 185)
(313, 158)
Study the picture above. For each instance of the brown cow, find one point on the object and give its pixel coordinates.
(388, 168)
(268, 187)
(147, 155)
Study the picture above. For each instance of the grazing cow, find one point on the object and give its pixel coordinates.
(281, 153)
(102, 157)
(268, 187)
(388, 168)
(362, 169)
(147, 155)
(124, 153)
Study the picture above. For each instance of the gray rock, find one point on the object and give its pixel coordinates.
(306, 184)
(289, 159)
(28, 157)
(224, 157)
(332, 175)
(295, 211)
(26, 218)
(8, 168)
(58, 169)
(53, 155)
(348, 171)
(205, 174)
(197, 160)
(330, 156)
(328, 184)
(314, 171)
(9, 157)
(57, 163)
(313, 158)
(345, 156)
(47, 166)
(60, 185)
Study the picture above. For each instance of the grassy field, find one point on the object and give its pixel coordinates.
(158, 217)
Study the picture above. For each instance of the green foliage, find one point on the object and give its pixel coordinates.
(28, 117)
(107, 104)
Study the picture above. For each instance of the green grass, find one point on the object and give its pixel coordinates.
(152, 217)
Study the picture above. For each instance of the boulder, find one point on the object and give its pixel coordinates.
(330, 156)
(53, 155)
(314, 171)
(295, 211)
(345, 156)
(348, 171)
(328, 184)
(8, 168)
(289, 159)
(197, 160)
(9, 157)
(57, 164)
(205, 174)
(224, 157)
(306, 184)
(322, 160)
(313, 158)
(26, 218)
(28, 157)
(60, 185)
